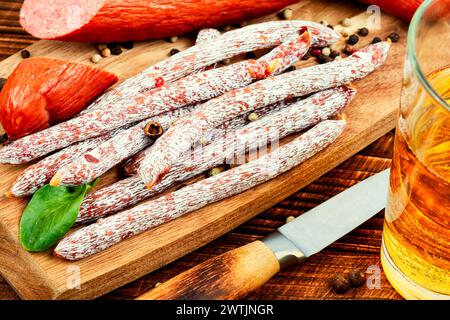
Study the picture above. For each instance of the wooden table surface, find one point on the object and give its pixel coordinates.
(359, 249)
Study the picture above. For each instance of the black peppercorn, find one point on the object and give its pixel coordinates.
(340, 284)
(353, 39)
(376, 40)
(25, 54)
(357, 278)
(330, 26)
(2, 83)
(174, 51)
(250, 55)
(363, 32)
(3, 138)
(116, 50)
(127, 45)
(394, 36)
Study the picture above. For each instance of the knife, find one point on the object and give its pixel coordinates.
(237, 273)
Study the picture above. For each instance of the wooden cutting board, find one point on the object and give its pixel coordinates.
(42, 276)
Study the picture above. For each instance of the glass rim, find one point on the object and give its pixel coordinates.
(411, 48)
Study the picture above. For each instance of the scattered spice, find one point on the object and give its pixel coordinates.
(215, 171)
(2, 83)
(324, 22)
(340, 284)
(159, 82)
(330, 26)
(363, 32)
(326, 51)
(250, 55)
(25, 54)
(286, 14)
(173, 39)
(117, 50)
(376, 40)
(101, 46)
(3, 138)
(153, 130)
(357, 278)
(394, 36)
(347, 22)
(316, 52)
(353, 39)
(106, 52)
(289, 219)
(127, 45)
(173, 51)
(253, 116)
(96, 58)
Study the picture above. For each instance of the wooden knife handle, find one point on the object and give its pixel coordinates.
(232, 275)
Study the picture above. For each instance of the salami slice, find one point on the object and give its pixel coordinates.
(102, 235)
(231, 146)
(184, 132)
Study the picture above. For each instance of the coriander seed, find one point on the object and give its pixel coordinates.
(253, 116)
(286, 14)
(106, 52)
(96, 58)
(347, 22)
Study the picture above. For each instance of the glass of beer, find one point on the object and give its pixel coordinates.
(416, 236)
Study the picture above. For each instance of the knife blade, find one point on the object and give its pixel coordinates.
(237, 273)
(334, 218)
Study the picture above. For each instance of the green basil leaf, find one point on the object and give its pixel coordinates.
(50, 214)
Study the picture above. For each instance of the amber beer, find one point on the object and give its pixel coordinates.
(417, 228)
(416, 236)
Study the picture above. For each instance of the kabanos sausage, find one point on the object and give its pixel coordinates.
(112, 109)
(122, 20)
